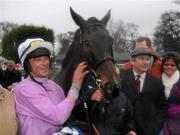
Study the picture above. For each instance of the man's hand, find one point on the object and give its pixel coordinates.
(131, 133)
(97, 95)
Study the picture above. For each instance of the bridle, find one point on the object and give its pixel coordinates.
(92, 73)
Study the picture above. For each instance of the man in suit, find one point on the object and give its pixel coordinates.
(154, 66)
(146, 94)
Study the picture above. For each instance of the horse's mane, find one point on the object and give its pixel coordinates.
(69, 63)
(93, 20)
(74, 47)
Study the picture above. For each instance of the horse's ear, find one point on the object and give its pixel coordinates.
(106, 18)
(78, 19)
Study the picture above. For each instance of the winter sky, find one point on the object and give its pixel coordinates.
(55, 14)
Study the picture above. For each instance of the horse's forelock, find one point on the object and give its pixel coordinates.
(74, 47)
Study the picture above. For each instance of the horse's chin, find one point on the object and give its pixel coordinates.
(109, 78)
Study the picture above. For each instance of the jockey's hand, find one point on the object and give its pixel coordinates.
(131, 133)
(79, 73)
(97, 95)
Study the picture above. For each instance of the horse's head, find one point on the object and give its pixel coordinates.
(96, 47)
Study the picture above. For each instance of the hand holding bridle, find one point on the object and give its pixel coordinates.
(97, 95)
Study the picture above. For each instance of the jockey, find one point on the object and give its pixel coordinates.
(41, 105)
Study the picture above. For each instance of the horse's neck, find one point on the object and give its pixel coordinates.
(71, 60)
(65, 80)
(65, 77)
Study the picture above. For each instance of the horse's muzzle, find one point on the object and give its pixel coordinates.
(111, 89)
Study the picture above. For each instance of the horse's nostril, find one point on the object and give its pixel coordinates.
(108, 90)
(111, 89)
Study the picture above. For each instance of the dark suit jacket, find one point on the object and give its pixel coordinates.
(150, 106)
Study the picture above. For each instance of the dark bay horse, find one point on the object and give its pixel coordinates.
(93, 44)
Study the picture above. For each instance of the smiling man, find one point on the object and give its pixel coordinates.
(41, 105)
(146, 94)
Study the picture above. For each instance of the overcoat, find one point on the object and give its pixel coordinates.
(150, 106)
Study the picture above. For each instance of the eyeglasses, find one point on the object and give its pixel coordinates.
(171, 65)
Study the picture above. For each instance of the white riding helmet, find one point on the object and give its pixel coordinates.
(31, 45)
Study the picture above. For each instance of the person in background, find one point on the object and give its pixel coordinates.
(10, 76)
(1, 75)
(8, 120)
(41, 105)
(171, 80)
(170, 70)
(155, 63)
(146, 94)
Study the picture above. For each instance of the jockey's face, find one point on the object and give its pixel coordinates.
(40, 66)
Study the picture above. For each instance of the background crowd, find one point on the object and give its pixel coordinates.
(10, 75)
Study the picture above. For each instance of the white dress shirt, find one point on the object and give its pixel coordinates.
(141, 78)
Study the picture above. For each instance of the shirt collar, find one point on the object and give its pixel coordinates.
(142, 75)
(41, 79)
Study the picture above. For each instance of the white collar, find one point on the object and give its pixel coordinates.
(142, 75)
(170, 81)
(175, 76)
